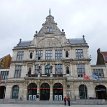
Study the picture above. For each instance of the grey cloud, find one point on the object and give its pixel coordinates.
(20, 19)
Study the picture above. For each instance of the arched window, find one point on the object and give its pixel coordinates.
(101, 92)
(57, 92)
(67, 70)
(83, 91)
(15, 92)
(67, 54)
(31, 91)
(45, 91)
(31, 55)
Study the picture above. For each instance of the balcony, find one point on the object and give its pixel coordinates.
(44, 75)
(57, 75)
(31, 75)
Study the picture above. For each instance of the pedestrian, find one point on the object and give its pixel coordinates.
(68, 99)
(65, 99)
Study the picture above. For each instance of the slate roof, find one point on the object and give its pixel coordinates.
(77, 41)
(23, 44)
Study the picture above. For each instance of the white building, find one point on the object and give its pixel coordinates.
(51, 66)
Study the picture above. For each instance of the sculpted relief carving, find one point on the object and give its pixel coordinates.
(49, 42)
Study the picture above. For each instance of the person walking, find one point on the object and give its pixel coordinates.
(65, 99)
(68, 99)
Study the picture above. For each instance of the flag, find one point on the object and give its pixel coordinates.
(95, 77)
(86, 77)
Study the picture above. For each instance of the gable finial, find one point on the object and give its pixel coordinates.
(49, 11)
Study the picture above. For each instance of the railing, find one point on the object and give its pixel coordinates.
(45, 75)
(57, 75)
(32, 75)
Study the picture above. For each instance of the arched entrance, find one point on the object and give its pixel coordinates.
(83, 91)
(44, 91)
(15, 92)
(31, 91)
(2, 92)
(101, 92)
(57, 92)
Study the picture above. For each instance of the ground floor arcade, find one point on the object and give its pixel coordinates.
(52, 90)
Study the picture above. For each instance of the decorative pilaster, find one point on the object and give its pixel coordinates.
(51, 92)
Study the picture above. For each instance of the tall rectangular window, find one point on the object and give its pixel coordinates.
(38, 69)
(80, 70)
(4, 75)
(39, 54)
(48, 54)
(98, 72)
(18, 69)
(58, 68)
(20, 55)
(79, 53)
(58, 54)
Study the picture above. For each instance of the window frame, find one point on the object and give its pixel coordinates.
(48, 54)
(80, 70)
(20, 55)
(18, 70)
(79, 53)
(58, 54)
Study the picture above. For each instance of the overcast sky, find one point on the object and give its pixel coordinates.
(21, 18)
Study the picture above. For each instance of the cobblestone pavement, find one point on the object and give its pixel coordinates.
(33, 105)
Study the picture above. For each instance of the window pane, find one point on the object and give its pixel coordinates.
(58, 68)
(80, 70)
(48, 54)
(4, 74)
(98, 72)
(48, 69)
(79, 53)
(58, 54)
(20, 55)
(39, 54)
(17, 73)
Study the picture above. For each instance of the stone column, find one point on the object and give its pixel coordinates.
(63, 54)
(43, 57)
(53, 69)
(63, 67)
(43, 69)
(53, 54)
(38, 89)
(8, 92)
(91, 90)
(24, 91)
(33, 69)
(64, 90)
(51, 92)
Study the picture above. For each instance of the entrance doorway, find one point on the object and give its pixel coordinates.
(57, 92)
(101, 92)
(32, 91)
(83, 91)
(44, 91)
(2, 92)
(15, 92)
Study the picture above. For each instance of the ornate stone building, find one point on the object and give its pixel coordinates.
(51, 66)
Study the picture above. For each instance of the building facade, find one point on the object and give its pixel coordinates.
(51, 66)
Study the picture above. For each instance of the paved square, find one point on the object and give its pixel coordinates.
(33, 105)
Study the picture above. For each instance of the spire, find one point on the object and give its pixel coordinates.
(49, 11)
